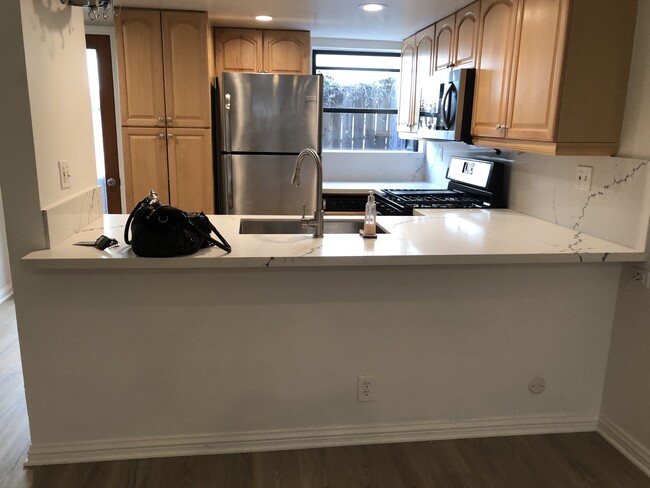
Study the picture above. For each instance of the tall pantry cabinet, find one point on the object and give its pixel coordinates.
(165, 103)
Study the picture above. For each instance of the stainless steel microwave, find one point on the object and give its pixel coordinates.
(446, 103)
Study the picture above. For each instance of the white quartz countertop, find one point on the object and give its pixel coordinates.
(437, 237)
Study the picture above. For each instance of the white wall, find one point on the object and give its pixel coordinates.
(60, 101)
(626, 401)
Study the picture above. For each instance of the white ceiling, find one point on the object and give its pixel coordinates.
(340, 19)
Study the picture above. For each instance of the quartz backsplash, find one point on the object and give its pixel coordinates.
(616, 208)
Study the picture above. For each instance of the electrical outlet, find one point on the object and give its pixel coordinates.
(583, 178)
(365, 388)
(641, 277)
(64, 174)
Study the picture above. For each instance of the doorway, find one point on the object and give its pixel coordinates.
(100, 77)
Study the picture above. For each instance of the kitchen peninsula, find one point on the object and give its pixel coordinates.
(220, 353)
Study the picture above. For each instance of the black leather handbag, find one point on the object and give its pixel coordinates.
(160, 231)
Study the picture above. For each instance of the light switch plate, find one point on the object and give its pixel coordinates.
(583, 178)
(64, 174)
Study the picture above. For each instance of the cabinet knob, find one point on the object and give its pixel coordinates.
(161, 136)
(169, 136)
(505, 127)
(169, 119)
(499, 127)
(161, 118)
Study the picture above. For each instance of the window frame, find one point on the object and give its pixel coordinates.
(378, 111)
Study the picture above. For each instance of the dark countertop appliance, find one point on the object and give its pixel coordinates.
(473, 183)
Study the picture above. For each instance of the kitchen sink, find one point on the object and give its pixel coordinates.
(279, 226)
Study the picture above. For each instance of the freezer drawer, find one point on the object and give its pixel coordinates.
(261, 185)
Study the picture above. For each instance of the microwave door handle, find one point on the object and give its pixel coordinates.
(227, 145)
(443, 107)
(229, 195)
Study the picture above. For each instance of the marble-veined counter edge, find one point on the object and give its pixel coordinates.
(443, 237)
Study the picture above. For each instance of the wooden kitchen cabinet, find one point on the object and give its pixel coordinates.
(185, 55)
(145, 164)
(417, 65)
(238, 50)
(262, 51)
(548, 80)
(287, 52)
(444, 52)
(466, 36)
(406, 105)
(191, 183)
(171, 162)
(163, 68)
(457, 39)
(140, 68)
(496, 38)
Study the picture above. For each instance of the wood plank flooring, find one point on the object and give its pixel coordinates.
(539, 461)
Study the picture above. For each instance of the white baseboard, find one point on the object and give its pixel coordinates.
(272, 440)
(632, 449)
(5, 293)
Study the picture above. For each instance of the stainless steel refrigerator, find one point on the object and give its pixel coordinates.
(265, 121)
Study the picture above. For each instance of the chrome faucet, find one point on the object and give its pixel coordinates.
(317, 221)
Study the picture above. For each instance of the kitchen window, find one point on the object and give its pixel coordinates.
(360, 92)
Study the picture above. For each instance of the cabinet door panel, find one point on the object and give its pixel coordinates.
(145, 164)
(191, 181)
(238, 50)
(425, 48)
(185, 49)
(444, 42)
(466, 32)
(406, 86)
(287, 52)
(496, 39)
(539, 46)
(140, 68)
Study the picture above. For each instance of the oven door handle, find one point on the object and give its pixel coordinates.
(445, 108)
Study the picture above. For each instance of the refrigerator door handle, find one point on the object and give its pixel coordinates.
(229, 195)
(226, 128)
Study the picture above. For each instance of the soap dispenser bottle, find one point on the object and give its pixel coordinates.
(370, 220)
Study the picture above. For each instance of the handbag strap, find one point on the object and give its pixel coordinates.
(221, 245)
(127, 227)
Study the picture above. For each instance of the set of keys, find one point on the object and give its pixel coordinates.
(101, 243)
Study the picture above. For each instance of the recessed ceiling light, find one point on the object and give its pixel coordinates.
(372, 7)
(263, 18)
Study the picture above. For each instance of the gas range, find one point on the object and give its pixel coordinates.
(472, 184)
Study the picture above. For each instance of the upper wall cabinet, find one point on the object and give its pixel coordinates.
(466, 36)
(405, 107)
(162, 56)
(496, 34)
(548, 79)
(457, 39)
(417, 64)
(444, 53)
(262, 51)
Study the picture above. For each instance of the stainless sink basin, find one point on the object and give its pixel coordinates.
(279, 226)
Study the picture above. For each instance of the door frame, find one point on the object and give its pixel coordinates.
(102, 44)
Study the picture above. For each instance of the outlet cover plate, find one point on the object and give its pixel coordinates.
(583, 178)
(365, 388)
